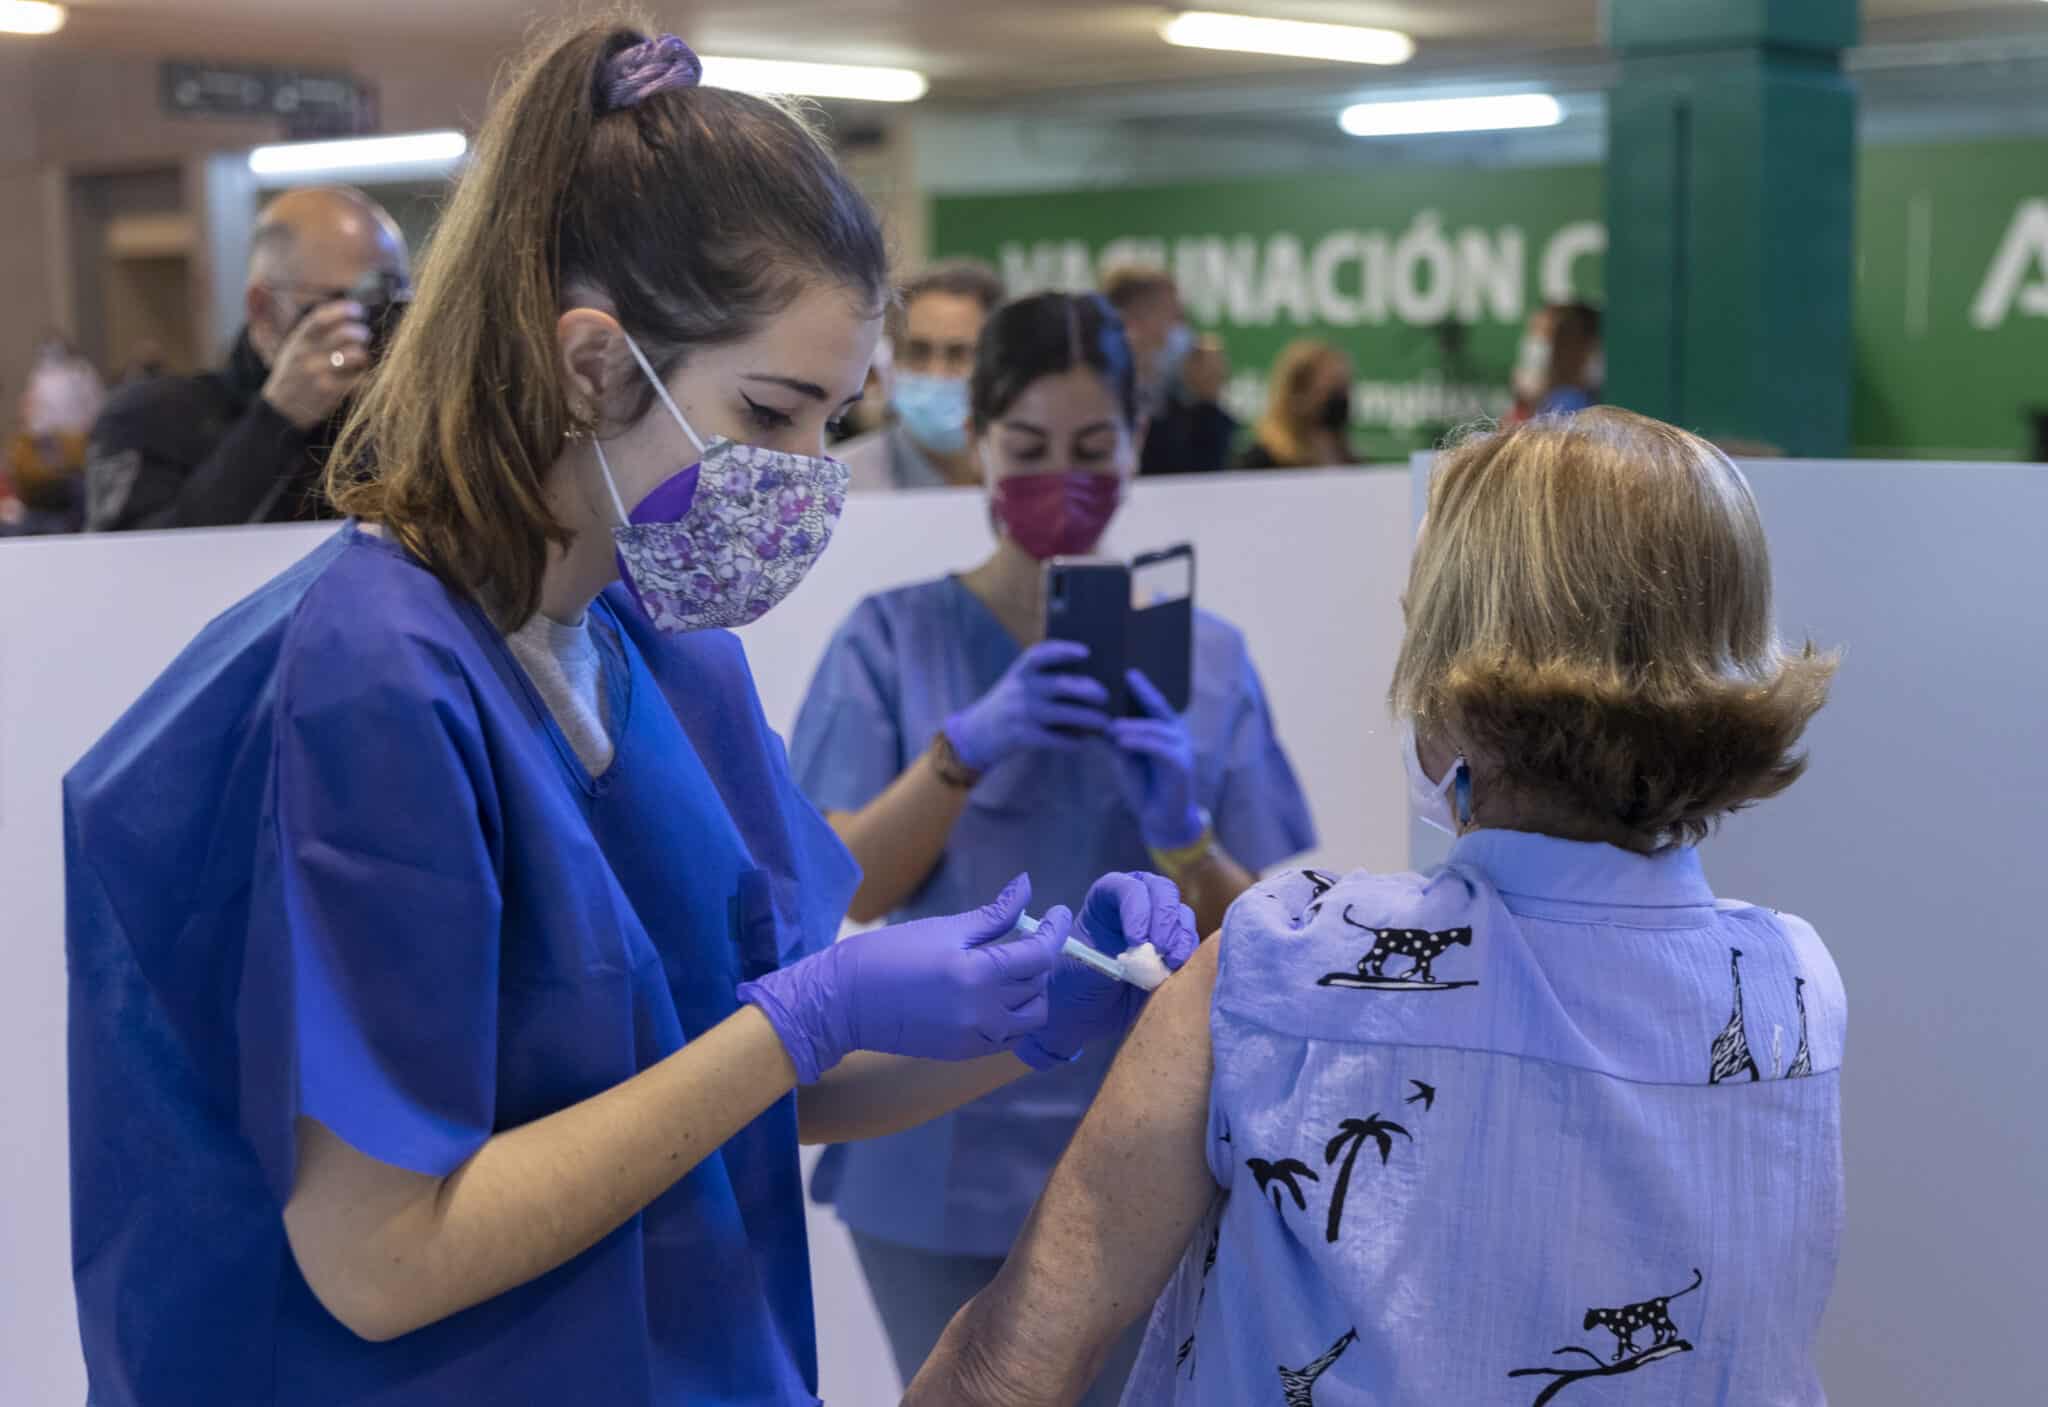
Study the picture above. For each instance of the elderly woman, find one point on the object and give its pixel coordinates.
(1550, 1112)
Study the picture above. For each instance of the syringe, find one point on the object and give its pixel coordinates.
(1074, 948)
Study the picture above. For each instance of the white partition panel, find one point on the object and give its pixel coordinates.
(1912, 845)
(1915, 845)
(1309, 565)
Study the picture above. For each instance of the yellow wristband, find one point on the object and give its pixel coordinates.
(1172, 862)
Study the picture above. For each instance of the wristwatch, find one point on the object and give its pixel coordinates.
(947, 763)
(1172, 863)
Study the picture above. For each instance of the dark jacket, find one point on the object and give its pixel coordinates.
(1188, 436)
(202, 451)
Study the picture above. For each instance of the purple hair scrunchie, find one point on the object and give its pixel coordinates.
(634, 75)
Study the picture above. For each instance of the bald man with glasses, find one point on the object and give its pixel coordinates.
(248, 442)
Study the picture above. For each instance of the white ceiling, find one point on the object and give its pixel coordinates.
(974, 50)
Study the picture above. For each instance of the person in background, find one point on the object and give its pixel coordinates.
(946, 742)
(46, 456)
(248, 443)
(64, 392)
(939, 321)
(1399, 1132)
(1307, 423)
(146, 363)
(872, 412)
(1187, 431)
(1561, 365)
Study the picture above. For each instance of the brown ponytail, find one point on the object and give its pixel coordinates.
(699, 212)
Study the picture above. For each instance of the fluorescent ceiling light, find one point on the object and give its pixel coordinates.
(1452, 115)
(855, 81)
(430, 150)
(1294, 39)
(30, 17)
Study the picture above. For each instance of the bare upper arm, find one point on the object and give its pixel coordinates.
(346, 1208)
(1118, 1213)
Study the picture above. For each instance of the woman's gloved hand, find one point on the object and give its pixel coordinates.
(1158, 769)
(1035, 696)
(950, 988)
(1121, 911)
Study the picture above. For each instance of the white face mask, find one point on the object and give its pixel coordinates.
(1532, 368)
(1433, 801)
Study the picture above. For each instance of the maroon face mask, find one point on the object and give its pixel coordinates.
(1057, 515)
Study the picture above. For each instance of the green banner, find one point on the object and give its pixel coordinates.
(1424, 275)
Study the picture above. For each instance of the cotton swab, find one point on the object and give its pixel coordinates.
(1143, 967)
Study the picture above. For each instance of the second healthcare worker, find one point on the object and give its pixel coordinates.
(946, 746)
(451, 953)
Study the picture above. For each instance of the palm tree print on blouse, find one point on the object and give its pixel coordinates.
(1283, 1174)
(1731, 1048)
(1298, 1385)
(1351, 1136)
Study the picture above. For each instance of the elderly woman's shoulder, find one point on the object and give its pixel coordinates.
(1294, 901)
(1305, 931)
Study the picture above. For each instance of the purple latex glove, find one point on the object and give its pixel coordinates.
(1121, 911)
(1035, 696)
(948, 988)
(1157, 770)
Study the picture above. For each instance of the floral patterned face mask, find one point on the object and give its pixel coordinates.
(720, 543)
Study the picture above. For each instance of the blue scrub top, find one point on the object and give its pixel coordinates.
(1566, 400)
(340, 862)
(904, 661)
(1547, 1113)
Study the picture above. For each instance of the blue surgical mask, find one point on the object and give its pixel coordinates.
(1180, 341)
(933, 410)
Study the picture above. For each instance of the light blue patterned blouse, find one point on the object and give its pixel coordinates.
(1547, 1124)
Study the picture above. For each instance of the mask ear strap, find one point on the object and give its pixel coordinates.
(611, 485)
(661, 390)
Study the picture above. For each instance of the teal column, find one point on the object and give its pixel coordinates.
(1731, 145)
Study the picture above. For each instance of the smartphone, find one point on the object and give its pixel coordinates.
(1136, 617)
(1160, 639)
(1088, 600)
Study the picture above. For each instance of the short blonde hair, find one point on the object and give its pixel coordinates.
(1589, 620)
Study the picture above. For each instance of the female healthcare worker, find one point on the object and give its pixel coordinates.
(446, 934)
(946, 747)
